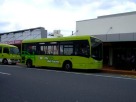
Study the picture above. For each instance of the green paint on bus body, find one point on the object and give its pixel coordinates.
(9, 54)
(91, 60)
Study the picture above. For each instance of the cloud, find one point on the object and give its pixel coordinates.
(2, 2)
(3, 25)
(57, 14)
(74, 3)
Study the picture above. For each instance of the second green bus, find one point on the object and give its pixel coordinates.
(9, 54)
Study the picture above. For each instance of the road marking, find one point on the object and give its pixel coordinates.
(116, 77)
(95, 75)
(130, 76)
(109, 76)
(78, 73)
(5, 73)
(12, 66)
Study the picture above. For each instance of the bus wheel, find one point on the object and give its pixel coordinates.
(29, 64)
(67, 66)
(5, 61)
(14, 63)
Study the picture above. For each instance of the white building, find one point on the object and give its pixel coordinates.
(16, 37)
(118, 33)
(109, 24)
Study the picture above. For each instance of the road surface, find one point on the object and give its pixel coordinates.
(19, 84)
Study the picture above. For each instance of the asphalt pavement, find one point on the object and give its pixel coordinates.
(106, 69)
(21, 84)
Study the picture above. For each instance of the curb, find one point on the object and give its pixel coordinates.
(20, 64)
(104, 70)
(124, 72)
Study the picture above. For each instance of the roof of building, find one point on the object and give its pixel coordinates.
(20, 30)
(112, 15)
(119, 14)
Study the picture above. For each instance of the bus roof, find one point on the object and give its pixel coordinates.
(7, 45)
(58, 39)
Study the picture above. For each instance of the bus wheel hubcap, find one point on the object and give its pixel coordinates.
(67, 67)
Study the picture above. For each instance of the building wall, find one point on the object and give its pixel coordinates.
(12, 37)
(111, 24)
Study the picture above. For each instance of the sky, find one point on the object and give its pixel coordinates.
(56, 14)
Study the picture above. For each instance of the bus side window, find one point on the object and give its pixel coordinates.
(55, 50)
(31, 49)
(82, 48)
(49, 51)
(6, 50)
(61, 50)
(42, 50)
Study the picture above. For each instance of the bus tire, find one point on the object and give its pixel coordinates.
(5, 61)
(67, 66)
(14, 63)
(29, 64)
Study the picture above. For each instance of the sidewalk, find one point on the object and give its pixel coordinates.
(21, 64)
(106, 69)
(116, 71)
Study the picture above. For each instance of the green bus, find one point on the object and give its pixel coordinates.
(9, 54)
(74, 52)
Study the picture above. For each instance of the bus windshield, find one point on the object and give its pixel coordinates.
(96, 49)
(14, 50)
